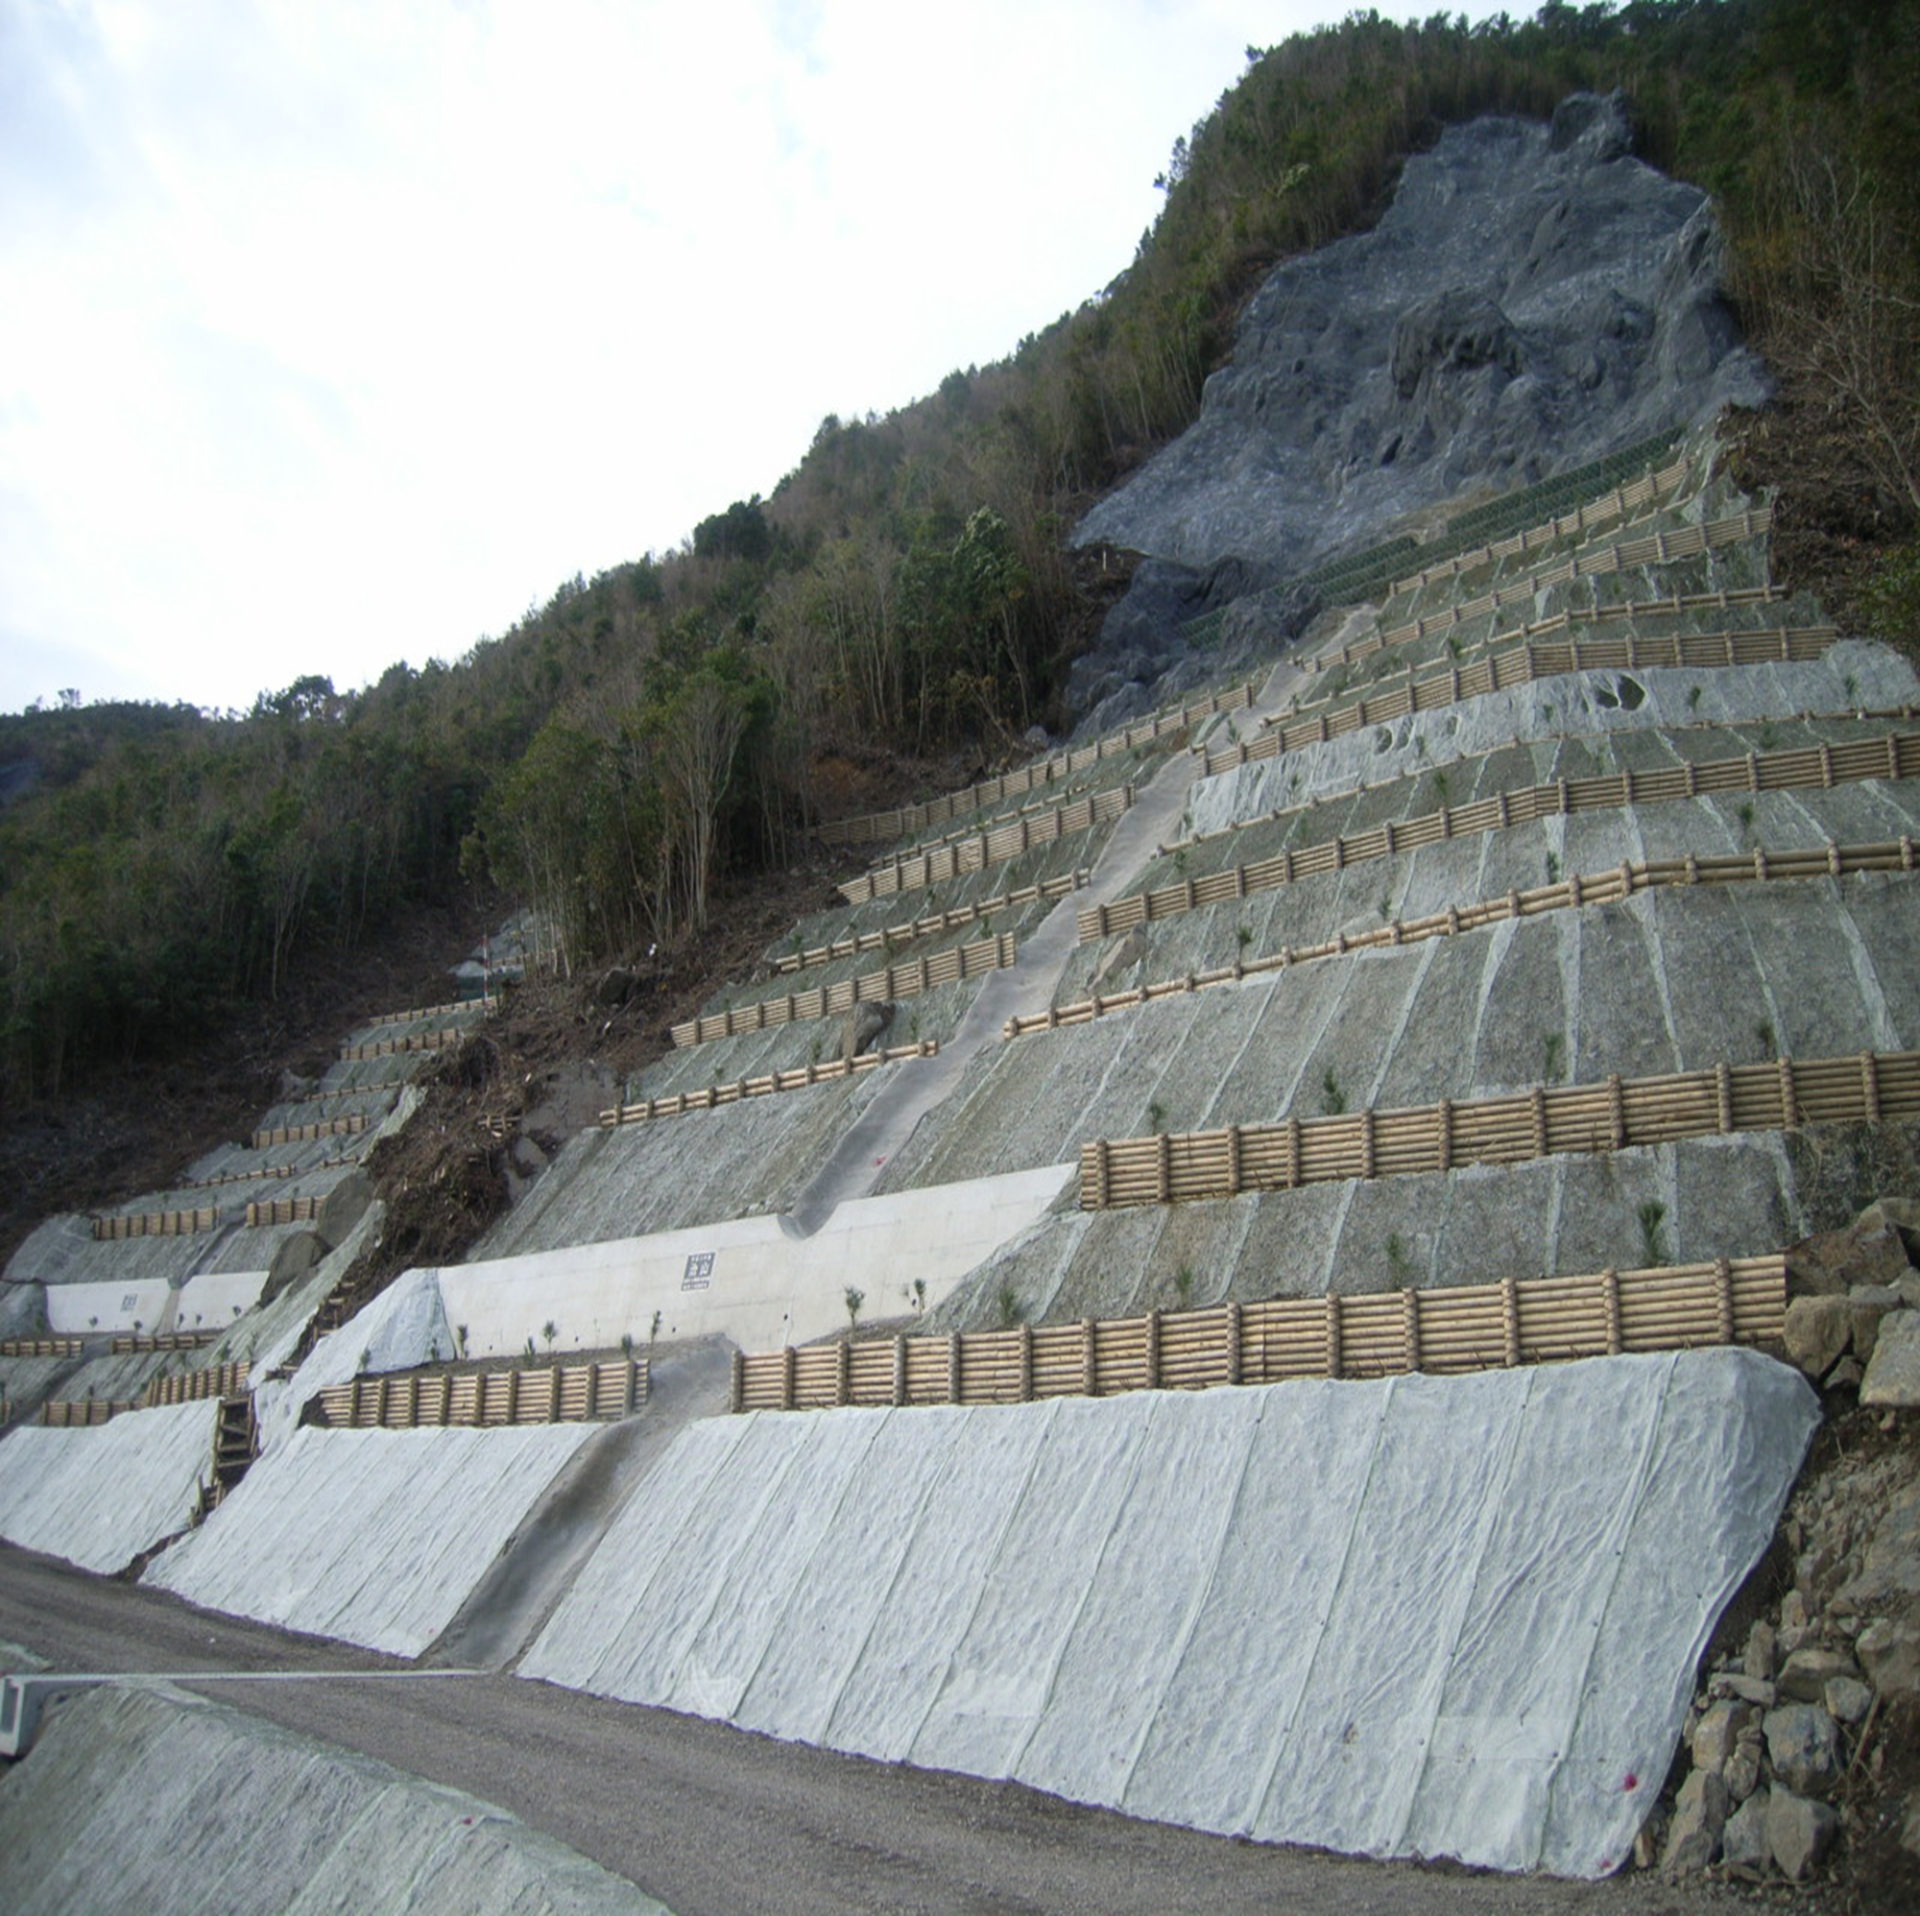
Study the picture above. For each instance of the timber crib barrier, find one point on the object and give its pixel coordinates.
(932, 925)
(908, 979)
(911, 871)
(879, 827)
(396, 1047)
(1173, 1167)
(1668, 606)
(1448, 1331)
(1659, 548)
(681, 1102)
(81, 1413)
(1608, 509)
(190, 1387)
(42, 1347)
(156, 1223)
(556, 1394)
(1600, 888)
(1895, 755)
(184, 1387)
(1525, 665)
(164, 1341)
(306, 1133)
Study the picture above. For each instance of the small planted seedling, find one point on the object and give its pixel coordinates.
(855, 1297)
(1332, 1099)
(1009, 1301)
(1554, 1045)
(1652, 1245)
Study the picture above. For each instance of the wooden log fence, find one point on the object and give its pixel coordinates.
(552, 1394)
(912, 871)
(399, 1047)
(157, 1223)
(265, 1171)
(193, 1386)
(1596, 888)
(907, 980)
(1524, 665)
(345, 1127)
(705, 1099)
(1449, 1331)
(126, 1343)
(298, 1210)
(1893, 756)
(1628, 555)
(451, 1009)
(1667, 606)
(42, 1347)
(882, 827)
(932, 925)
(1547, 1121)
(76, 1413)
(1609, 509)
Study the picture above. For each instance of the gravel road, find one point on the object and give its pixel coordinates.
(715, 1822)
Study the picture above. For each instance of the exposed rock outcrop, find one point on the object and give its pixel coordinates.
(1534, 299)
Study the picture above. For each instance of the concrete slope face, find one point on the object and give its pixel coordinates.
(373, 1536)
(1406, 1618)
(154, 1800)
(101, 1497)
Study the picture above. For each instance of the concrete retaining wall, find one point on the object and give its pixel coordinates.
(1453, 1618)
(746, 1279)
(374, 1536)
(100, 1497)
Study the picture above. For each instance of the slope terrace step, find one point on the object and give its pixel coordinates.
(1762, 866)
(1894, 756)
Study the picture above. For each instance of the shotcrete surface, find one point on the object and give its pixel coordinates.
(100, 1496)
(152, 1799)
(373, 1536)
(1477, 1639)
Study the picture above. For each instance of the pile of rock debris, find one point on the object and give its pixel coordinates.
(1802, 1753)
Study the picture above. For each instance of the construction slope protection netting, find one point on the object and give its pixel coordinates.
(100, 1498)
(261, 1822)
(1418, 1617)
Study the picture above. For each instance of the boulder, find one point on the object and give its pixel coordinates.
(1799, 1833)
(1819, 1330)
(1744, 1848)
(1847, 1699)
(1893, 1377)
(1805, 1675)
(1699, 1816)
(1762, 1652)
(1803, 1745)
(1718, 1732)
(1743, 1766)
(863, 1026)
(1890, 1654)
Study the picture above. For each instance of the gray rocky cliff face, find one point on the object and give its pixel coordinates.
(1534, 299)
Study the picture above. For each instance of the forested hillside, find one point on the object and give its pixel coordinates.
(906, 588)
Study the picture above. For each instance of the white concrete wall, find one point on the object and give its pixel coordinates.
(73, 1310)
(1420, 1617)
(98, 1497)
(761, 1287)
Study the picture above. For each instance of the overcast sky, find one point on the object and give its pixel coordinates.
(335, 333)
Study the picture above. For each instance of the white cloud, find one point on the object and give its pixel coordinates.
(335, 335)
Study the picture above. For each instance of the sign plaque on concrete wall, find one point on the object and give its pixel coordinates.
(699, 1272)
